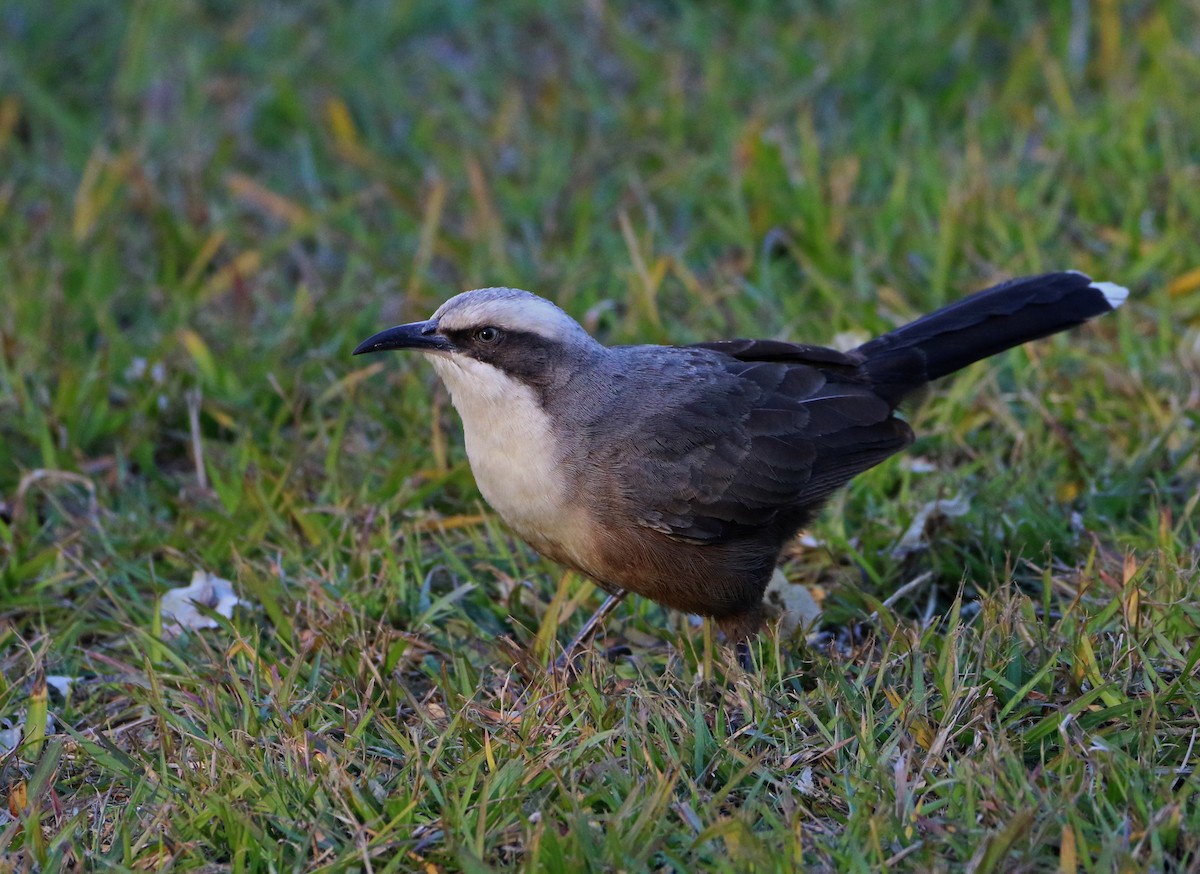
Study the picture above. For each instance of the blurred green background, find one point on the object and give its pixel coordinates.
(205, 205)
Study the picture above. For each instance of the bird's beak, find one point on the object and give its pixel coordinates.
(422, 336)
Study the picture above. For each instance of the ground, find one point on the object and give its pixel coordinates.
(204, 206)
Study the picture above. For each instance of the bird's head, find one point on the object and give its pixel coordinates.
(489, 337)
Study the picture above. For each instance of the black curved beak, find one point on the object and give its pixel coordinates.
(422, 336)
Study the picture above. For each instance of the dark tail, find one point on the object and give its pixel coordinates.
(984, 324)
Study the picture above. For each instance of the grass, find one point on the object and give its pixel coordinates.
(205, 205)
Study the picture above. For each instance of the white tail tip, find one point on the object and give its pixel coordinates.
(1113, 293)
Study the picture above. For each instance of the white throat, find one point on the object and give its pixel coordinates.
(512, 449)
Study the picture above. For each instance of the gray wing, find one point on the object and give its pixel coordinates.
(761, 439)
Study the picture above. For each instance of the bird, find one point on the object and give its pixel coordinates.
(679, 473)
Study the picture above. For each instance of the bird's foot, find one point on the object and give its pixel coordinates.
(745, 656)
(566, 662)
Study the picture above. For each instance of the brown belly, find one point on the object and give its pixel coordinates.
(716, 580)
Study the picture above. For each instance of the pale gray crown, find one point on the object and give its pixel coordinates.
(512, 310)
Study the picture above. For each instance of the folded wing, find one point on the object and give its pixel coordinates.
(760, 441)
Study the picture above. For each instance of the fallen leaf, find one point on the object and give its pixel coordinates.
(62, 685)
(918, 464)
(18, 798)
(10, 736)
(847, 340)
(795, 605)
(914, 538)
(178, 606)
(804, 782)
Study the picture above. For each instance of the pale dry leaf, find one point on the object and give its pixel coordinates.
(804, 782)
(178, 606)
(918, 464)
(10, 735)
(793, 603)
(847, 340)
(12, 731)
(914, 538)
(62, 685)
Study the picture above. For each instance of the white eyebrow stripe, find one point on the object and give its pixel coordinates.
(506, 308)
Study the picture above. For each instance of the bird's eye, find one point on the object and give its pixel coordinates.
(487, 335)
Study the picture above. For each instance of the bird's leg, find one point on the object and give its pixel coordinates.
(739, 630)
(589, 629)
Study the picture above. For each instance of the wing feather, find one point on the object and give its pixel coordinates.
(760, 439)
